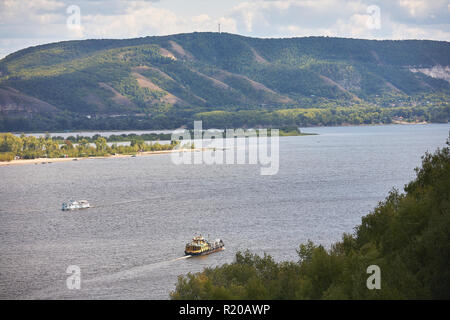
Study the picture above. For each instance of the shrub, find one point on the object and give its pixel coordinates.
(6, 156)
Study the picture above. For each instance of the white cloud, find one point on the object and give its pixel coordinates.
(141, 19)
(422, 8)
(400, 18)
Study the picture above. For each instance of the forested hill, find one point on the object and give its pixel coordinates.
(224, 79)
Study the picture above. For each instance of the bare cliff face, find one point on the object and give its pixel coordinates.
(437, 72)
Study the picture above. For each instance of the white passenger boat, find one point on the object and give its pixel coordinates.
(75, 205)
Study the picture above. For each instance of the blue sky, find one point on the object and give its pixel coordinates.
(30, 22)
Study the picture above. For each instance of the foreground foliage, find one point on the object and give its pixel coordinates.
(407, 236)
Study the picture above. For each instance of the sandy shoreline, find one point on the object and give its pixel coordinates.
(53, 160)
(407, 123)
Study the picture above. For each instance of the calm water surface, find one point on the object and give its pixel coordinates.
(146, 209)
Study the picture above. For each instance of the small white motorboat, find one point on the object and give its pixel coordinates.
(75, 205)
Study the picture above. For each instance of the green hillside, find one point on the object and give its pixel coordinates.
(223, 79)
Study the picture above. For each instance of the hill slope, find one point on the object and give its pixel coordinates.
(163, 82)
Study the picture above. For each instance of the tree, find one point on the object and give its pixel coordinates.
(10, 143)
(101, 145)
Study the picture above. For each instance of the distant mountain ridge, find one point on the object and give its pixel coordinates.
(185, 76)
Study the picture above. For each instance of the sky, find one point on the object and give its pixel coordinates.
(25, 23)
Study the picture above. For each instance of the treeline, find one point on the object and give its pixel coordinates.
(407, 236)
(118, 137)
(30, 147)
(256, 117)
(322, 116)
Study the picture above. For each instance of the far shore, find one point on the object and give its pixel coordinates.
(90, 131)
(54, 160)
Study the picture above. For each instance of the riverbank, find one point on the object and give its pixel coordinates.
(55, 160)
(406, 122)
(104, 133)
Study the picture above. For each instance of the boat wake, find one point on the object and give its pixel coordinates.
(105, 205)
(132, 273)
(123, 202)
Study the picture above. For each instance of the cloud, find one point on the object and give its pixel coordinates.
(398, 19)
(140, 18)
(261, 17)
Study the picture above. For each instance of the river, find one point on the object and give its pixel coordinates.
(130, 244)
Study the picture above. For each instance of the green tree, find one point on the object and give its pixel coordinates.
(101, 145)
(10, 143)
